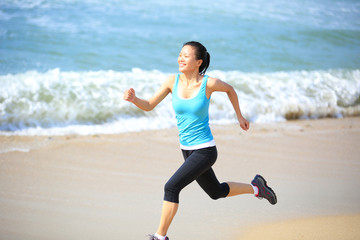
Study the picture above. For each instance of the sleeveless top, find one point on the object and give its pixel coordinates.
(192, 117)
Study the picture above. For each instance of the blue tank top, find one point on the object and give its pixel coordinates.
(192, 116)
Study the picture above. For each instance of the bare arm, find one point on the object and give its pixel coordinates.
(148, 105)
(216, 85)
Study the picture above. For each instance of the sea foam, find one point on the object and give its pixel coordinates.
(60, 103)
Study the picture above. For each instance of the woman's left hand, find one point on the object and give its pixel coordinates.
(244, 124)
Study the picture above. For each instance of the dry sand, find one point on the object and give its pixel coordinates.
(323, 228)
(111, 186)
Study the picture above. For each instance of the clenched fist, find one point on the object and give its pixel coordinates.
(129, 95)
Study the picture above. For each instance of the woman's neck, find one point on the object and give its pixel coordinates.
(191, 77)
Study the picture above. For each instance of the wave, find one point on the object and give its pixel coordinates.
(61, 103)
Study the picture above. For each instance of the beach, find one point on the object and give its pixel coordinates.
(78, 162)
(111, 186)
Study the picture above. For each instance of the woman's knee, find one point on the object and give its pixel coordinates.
(171, 192)
(215, 195)
(221, 192)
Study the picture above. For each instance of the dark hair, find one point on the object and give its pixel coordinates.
(200, 53)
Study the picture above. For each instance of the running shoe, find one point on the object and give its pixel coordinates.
(152, 237)
(264, 190)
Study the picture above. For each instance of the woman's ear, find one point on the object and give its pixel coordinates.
(199, 62)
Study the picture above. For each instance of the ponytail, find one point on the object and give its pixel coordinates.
(201, 53)
(205, 64)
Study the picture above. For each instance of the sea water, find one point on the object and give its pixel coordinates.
(64, 64)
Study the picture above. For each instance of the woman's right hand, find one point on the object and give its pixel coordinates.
(129, 95)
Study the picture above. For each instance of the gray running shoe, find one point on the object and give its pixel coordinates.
(264, 190)
(152, 237)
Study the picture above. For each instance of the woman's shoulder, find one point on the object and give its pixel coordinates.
(169, 82)
(212, 81)
(217, 85)
(170, 79)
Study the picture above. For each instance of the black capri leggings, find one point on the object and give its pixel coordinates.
(197, 166)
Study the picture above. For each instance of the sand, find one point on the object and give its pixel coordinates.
(111, 186)
(329, 228)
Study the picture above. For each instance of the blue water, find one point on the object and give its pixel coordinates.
(59, 60)
(247, 36)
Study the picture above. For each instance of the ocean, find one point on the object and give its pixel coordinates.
(64, 64)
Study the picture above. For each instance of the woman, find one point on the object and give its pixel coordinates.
(191, 97)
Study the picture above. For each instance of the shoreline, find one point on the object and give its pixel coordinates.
(112, 185)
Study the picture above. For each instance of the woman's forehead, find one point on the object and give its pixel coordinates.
(187, 49)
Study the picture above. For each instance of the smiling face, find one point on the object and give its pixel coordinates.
(187, 60)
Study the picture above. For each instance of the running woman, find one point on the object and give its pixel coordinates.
(191, 92)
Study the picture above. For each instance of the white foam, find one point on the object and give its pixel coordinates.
(61, 103)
